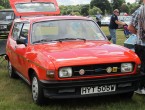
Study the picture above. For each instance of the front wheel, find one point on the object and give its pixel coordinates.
(37, 92)
(11, 71)
(128, 95)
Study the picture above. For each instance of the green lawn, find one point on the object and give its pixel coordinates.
(120, 35)
(15, 94)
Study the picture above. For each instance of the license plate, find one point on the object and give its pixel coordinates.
(98, 89)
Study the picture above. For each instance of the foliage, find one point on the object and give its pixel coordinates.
(66, 10)
(5, 3)
(85, 10)
(94, 11)
(133, 7)
(1, 7)
(102, 4)
(117, 3)
(124, 8)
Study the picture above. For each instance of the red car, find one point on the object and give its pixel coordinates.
(67, 56)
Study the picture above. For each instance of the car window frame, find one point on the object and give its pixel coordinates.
(27, 31)
(23, 23)
(12, 35)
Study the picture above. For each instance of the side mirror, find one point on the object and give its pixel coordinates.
(108, 37)
(21, 41)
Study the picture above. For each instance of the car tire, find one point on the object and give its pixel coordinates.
(128, 95)
(11, 71)
(37, 92)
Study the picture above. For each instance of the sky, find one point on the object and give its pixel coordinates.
(75, 2)
(131, 1)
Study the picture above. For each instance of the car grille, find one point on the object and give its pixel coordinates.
(2, 27)
(97, 70)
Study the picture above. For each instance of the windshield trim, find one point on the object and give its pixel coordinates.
(105, 38)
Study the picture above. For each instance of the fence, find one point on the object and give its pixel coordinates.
(3, 62)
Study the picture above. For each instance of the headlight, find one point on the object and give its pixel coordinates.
(126, 67)
(65, 72)
(4, 26)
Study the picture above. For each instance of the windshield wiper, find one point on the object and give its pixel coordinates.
(42, 40)
(81, 39)
(60, 40)
(64, 39)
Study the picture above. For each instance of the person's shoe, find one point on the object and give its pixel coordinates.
(140, 91)
(143, 90)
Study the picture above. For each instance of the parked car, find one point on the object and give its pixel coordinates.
(105, 21)
(6, 18)
(67, 56)
(126, 19)
(130, 42)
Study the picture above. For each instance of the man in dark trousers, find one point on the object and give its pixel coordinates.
(114, 22)
(137, 26)
(98, 19)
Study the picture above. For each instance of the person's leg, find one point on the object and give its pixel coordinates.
(140, 51)
(99, 23)
(113, 35)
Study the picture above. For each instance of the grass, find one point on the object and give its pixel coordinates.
(120, 35)
(15, 94)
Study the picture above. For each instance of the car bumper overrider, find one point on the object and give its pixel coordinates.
(72, 89)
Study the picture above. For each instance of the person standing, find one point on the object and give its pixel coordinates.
(98, 19)
(114, 22)
(137, 26)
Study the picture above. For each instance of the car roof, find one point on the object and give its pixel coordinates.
(46, 18)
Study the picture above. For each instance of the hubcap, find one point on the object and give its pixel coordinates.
(35, 88)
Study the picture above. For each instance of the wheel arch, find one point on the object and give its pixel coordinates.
(31, 72)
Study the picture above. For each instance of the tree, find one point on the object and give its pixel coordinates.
(116, 4)
(133, 7)
(5, 3)
(102, 4)
(1, 7)
(85, 10)
(94, 11)
(124, 8)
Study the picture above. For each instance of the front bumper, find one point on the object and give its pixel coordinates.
(72, 89)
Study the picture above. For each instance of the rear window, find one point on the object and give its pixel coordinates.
(35, 7)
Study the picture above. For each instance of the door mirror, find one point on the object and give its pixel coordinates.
(21, 41)
(108, 37)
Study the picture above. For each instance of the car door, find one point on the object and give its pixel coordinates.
(21, 49)
(12, 45)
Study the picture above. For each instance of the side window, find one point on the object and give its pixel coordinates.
(16, 30)
(24, 31)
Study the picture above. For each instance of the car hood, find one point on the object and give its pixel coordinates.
(5, 22)
(83, 53)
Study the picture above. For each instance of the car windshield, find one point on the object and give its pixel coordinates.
(35, 7)
(65, 30)
(6, 15)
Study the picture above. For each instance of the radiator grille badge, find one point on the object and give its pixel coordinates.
(82, 72)
(109, 70)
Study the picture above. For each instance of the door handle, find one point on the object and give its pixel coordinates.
(15, 47)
